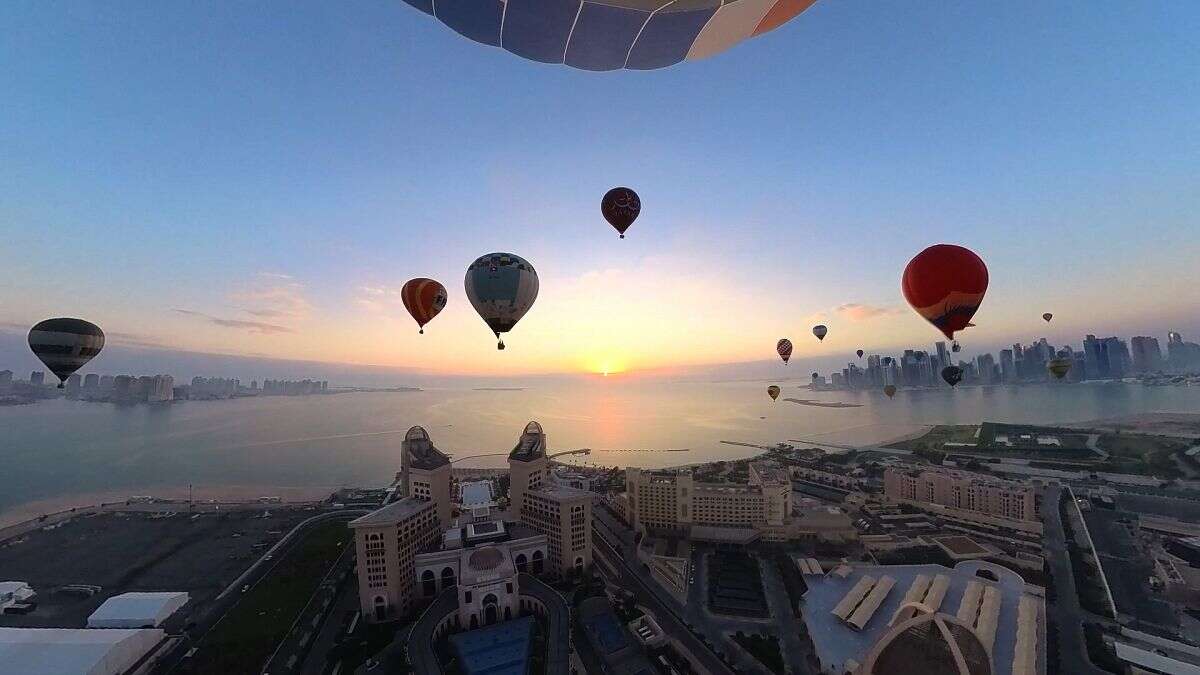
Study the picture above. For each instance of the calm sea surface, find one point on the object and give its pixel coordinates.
(54, 449)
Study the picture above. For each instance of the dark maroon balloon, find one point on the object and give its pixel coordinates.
(621, 207)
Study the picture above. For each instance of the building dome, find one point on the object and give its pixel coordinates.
(485, 559)
(930, 644)
(416, 434)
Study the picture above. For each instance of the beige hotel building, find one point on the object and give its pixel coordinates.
(962, 491)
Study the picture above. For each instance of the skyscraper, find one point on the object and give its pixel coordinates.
(1094, 367)
(1008, 373)
(1145, 354)
(942, 356)
(37, 378)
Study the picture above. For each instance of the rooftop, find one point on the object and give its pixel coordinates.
(74, 651)
(502, 649)
(531, 445)
(476, 493)
(421, 452)
(393, 513)
(836, 643)
(136, 610)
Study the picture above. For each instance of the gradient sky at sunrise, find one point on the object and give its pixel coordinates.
(261, 178)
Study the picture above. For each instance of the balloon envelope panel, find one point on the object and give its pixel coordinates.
(65, 344)
(612, 34)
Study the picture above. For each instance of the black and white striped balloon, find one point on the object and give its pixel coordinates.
(65, 345)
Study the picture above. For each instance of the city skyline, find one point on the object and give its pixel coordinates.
(253, 213)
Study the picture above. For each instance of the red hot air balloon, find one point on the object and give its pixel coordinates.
(784, 347)
(945, 284)
(423, 298)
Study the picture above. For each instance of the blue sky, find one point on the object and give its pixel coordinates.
(289, 165)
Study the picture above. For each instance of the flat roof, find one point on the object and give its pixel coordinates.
(392, 513)
(1152, 661)
(502, 649)
(961, 545)
(836, 643)
(140, 609)
(75, 651)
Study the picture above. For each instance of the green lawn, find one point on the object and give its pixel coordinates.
(939, 435)
(250, 632)
(765, 649)
(1140, 453)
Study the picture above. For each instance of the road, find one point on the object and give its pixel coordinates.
(228, 598)
(647, 590)
(1065, 610)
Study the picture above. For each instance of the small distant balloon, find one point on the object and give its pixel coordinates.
(956, 348)
(945, 284)
(1059, 367)
(887, 360)
(815, 376)
(890, 390)
(621, 207)
(784, 347)
(820, 330)
(1047, 316)
(952, 375)
(65, 345)
(424, 299)
(859, 352)
(773, 392)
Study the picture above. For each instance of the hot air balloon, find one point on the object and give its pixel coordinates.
(65, 345)
(889, 389)
(955, 347)
(945, 284)
(502, 288)
(612, 34)
(952, 375)
(423, 298)
(820, 330)
(621, 207)
(815, 376)
(773, 392)
(1047, 316)
(887, 360)
(1059, 367)
(784, 347)
(859, 352)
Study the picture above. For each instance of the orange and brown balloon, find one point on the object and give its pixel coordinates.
(423, 298)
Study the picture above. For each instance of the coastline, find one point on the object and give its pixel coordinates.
(19, 513)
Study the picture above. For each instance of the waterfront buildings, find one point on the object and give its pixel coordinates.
(387, 542)
(425, 473)
(962, 491)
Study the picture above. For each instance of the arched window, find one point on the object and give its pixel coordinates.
(578, 564)
(507, 613)
(429, 583)
(380, 608)
(522, 563)
(474, 622)
(447, 578)
(538, 562)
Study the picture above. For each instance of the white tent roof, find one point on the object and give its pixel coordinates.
(74, 651)
(136, 610)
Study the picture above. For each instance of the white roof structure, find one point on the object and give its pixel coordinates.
(1154, 662)
(74, 651)
(137, 610)
(13, 592)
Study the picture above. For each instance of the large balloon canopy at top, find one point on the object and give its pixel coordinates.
(65, 345)
(502, 288)
(945, 284)
(612, 34)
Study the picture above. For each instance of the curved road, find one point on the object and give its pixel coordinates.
(1068, 615)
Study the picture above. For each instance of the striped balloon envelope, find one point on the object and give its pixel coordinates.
(65, 345)
(612, 34)
(423, 298)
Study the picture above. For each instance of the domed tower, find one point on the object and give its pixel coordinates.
(527, 465)
(930, 644)
(425, 473)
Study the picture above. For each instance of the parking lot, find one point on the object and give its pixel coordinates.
(137, 552)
